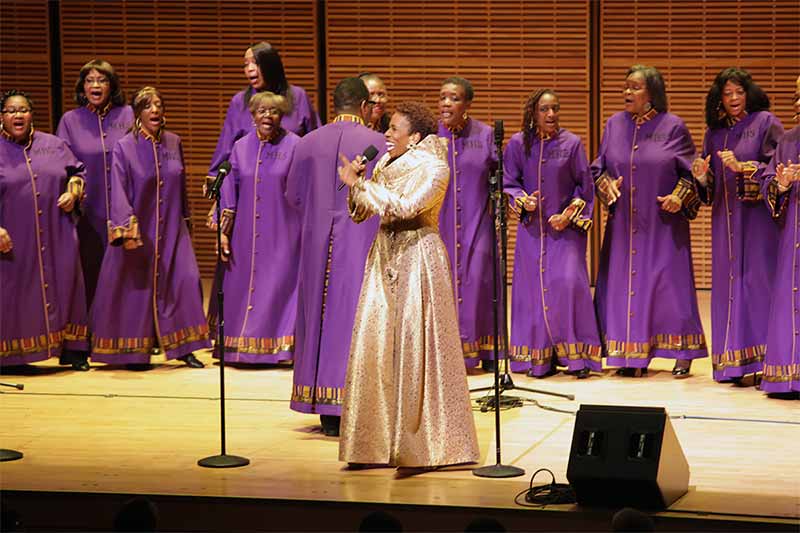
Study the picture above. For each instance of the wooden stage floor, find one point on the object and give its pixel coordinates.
(112, 430)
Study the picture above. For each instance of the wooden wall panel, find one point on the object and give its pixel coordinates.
(192, 52)
(25, 55)
(690, 42)
(507, 49)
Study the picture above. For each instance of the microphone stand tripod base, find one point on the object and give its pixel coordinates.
(9, 455)
(223, 461)
(499, 471)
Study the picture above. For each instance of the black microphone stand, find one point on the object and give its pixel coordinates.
(223, 460)
(499, 306)
(6, 454)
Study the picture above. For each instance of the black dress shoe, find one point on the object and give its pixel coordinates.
(81, 365)
(631, 372)
(192, 361)
(583, 373)
(488, 365)
(682, 368)
(552, 371)
(330, 425)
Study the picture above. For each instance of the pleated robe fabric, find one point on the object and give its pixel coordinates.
(92, 134)
(260, 277)
(645, 295)
(43, 309)
(781, 372)
(333, 251)
(743, 243)
(149, 296)
(466, 225)
(406, 398)
(552, 311)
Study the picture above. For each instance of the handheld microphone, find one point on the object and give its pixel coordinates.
(369, 154)
(222, 170)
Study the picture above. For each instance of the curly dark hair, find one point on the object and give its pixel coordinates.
(529, 117)
(656, 87)
(757, 99)
(15, 92)
(420, 117)
(117, 97)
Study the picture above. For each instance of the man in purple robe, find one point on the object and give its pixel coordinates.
(781, 190)
(333, 253)
(465, 220)
(43, 310)
(91, 131)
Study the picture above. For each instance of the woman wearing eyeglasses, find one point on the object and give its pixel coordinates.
(148, 293)
(645, 296)
(258, 224)
(43, 313)
(548, 181)
(91, 131)
(741, 138)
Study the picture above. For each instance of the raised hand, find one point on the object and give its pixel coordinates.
(226, 248)
(670, 203)
(67, 202)
(700, 169)
(729, 160)
(614, 190)
(5, 241)
(350, 170)
(558, 221)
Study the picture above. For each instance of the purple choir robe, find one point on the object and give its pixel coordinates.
(645, 295)
(44, 304)
(552, 310)
(781, 372)
(151, 295)
(259, 326)
(466, 225)
(91, 135)
(239, 122)
(743, 242)
(333, 253)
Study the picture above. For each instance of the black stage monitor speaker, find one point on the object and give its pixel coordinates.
(626, 456)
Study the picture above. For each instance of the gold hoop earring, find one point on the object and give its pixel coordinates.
(163, 121)
(465, 116)
(138, 123)
(648, 106)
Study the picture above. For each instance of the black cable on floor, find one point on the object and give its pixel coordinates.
(549, 494)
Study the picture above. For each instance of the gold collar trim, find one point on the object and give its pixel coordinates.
(27, 142)
(100, 112)
(641, 119)
(347, 117)
(152, 138)
(276, 134)
(456, 130)
(730, 121)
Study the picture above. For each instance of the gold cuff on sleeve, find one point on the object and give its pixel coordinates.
(747, 188)
(602, 189)
(129, 231)
(227, 218)
(574, 211)
(687, 192)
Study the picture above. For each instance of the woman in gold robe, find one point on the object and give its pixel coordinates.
(406, 401)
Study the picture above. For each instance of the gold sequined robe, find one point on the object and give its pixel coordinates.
(406, 399)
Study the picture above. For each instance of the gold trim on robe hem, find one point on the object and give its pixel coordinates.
(690, 201)
(482, 344)
(641, 350)
(781, 373)
(226, 221)
(171, 341)
(259, 345)
(737, 358)
(323, 396)
(39, 343)
(77, 187)
(603, 188)
(747, 188)
(128, 231)
(573, 351)
(573, 212)
(777, 199)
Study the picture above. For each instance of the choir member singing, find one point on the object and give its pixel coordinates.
(781, 190)
(740, 140)
(379, 118)
(43, 313)
(645, 295)
(550, 185)
(259, 225)
(465, 221)
(91, 131)
(148, 293)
